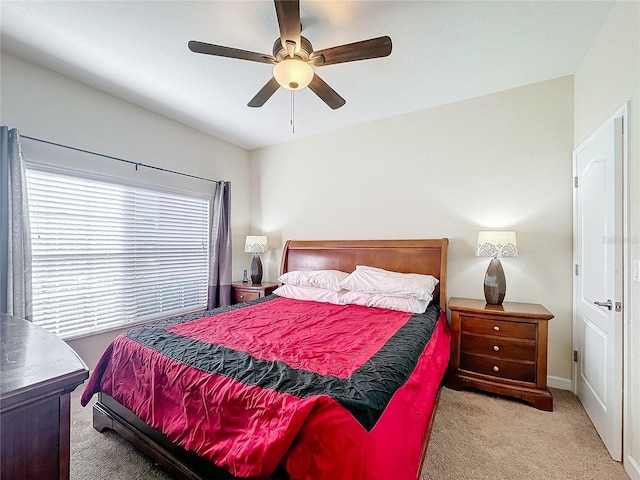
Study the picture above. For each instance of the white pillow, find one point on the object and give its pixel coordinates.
(308, 293)
(328, 279)
(378, 281)
(403, 304)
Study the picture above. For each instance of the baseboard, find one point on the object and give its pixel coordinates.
(632, 468)
(559, 382)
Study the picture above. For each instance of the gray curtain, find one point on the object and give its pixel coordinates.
(15, 239)
(220, 248)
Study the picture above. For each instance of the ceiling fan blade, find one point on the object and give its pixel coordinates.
(264, 94)
(326, 93)
(288, 12)
(220, 51)
(372, 48)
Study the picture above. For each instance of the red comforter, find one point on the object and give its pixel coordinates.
(328, 391)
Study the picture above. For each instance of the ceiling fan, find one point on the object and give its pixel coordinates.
(294, 58)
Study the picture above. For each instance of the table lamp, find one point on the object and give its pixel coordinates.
(256, 244)
(496, 244)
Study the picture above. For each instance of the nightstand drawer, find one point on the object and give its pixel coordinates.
(490, 326)
(497, 367)
(244, 292)
(244, 296)
(498, 347)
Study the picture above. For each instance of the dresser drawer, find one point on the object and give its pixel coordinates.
(489, 326)
(498, 367)
(244, 296)
(501, 347)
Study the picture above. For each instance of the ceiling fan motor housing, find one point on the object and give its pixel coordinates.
(280, 53)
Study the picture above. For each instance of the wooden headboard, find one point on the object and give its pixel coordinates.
(428, 257)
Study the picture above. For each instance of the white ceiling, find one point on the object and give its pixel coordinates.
(443, 51)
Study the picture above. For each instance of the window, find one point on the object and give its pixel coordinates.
(107, 254)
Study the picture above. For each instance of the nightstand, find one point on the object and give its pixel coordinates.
(500, 349)
(243, 292)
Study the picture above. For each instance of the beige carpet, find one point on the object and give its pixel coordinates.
(475, 436)
(478, 436)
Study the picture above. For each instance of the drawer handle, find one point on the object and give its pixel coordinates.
(241, 296)
(495, 368)
(496, 328)
(496, 348)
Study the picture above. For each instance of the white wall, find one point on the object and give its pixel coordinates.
(608, 77)
(46, 105)
(498, 161)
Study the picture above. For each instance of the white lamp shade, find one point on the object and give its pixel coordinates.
(293, 74)
(497, 244)
(255, 244)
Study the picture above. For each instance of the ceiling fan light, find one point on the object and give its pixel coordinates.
(293, 74)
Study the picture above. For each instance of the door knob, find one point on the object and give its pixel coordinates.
(607, 304)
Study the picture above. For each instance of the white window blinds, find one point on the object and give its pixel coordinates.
(107, 254)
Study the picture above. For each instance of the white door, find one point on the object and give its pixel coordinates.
(598, 281)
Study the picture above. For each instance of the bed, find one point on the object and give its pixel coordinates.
(320, 424)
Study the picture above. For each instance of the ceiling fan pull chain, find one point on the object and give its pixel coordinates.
(293, 125)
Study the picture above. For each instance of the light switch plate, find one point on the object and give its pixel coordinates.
(635, 266)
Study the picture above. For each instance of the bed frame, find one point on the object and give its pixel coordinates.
(427, 257)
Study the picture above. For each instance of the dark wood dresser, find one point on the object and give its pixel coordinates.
(500, 349)
(38, 372)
